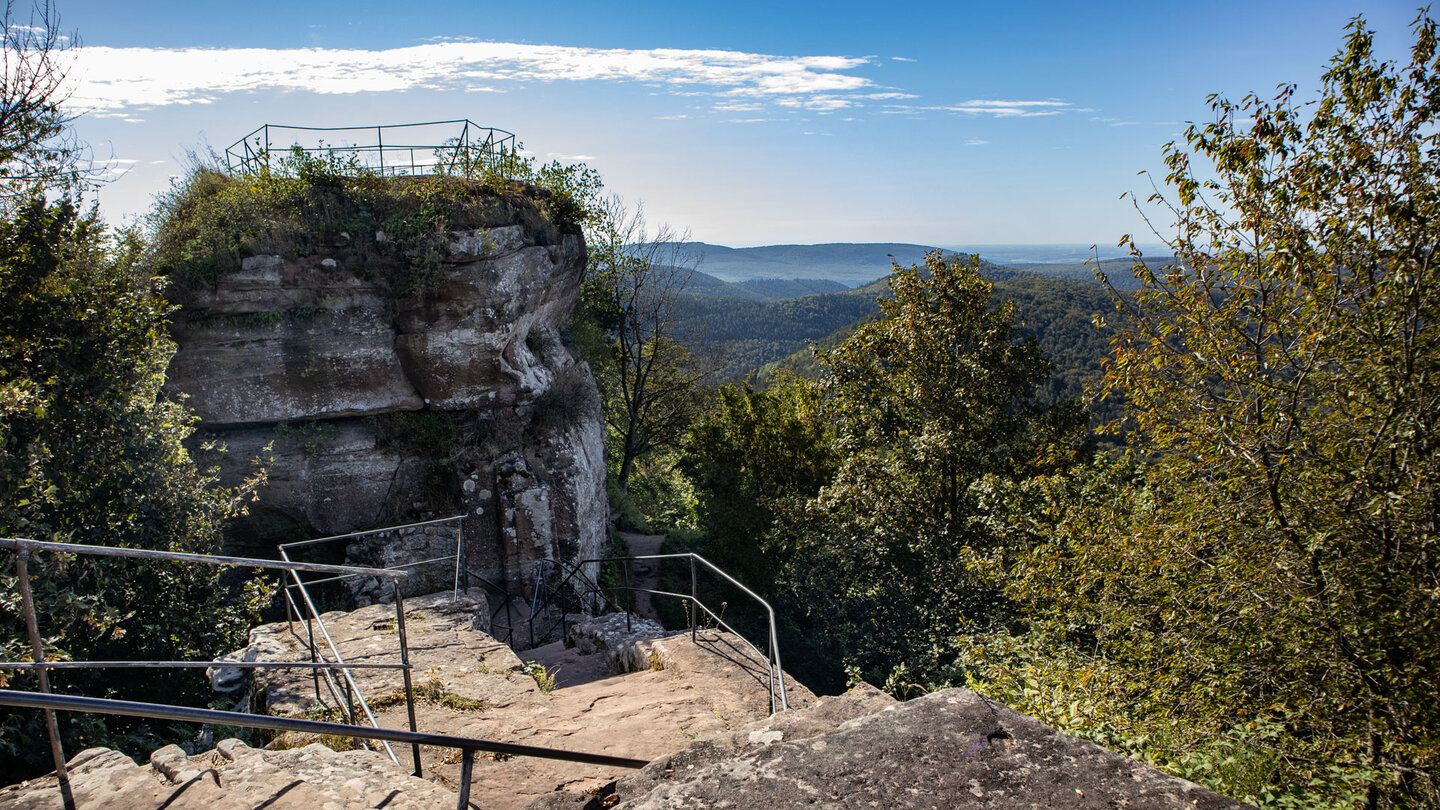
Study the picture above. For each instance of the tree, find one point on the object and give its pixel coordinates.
(91, 452)
(1279, 561)
(38, 150)
(751, 452)
(650, 382)
(930, 399)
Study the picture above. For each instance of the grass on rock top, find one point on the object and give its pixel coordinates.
(210, 222)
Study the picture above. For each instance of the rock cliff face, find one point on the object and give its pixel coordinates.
(378, 389)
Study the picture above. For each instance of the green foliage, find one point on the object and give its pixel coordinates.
(931, 400)
(90, 452)
(311, 203)
(753, 450)
(631, 518)
(629, 326)
(659, 493)
(1258, 761)
(1275, 568)
(311, 437)
(763, 338)
(543, 678)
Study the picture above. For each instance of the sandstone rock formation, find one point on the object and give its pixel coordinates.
(380, 388)
(234, 776)
(952, 748)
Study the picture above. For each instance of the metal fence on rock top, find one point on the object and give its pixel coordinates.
(460, 147)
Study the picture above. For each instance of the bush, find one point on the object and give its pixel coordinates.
(90, 452)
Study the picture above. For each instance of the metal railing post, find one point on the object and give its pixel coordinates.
(467, 774)
(456, 597)
(405, 660)
(694, 604)
(349, 702)
(314, 653)
(37, 653)
(630, 611)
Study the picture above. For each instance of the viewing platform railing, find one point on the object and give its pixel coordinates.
(460, 147)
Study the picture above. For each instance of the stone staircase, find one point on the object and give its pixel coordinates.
(697, 710)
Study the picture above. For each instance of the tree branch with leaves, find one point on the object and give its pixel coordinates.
(651, 383)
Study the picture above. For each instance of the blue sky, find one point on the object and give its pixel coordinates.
(747, 123)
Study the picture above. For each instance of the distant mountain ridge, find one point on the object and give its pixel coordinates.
(859, 263)
(761, 289)
(848, 263)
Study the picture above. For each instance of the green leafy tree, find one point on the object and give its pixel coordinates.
(91, 452)
(1279, 561)
(651, 385)
(753, 451)
(930, 399)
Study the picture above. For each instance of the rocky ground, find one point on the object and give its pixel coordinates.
(697, 710)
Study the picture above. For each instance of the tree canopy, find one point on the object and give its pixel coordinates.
(91, 452)
(38, 150)
(1273, 564)
(931, 399)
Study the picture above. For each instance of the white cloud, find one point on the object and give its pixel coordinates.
(824, 103)
(572, 158)
(999, 108)
(903, 59)
(113, 79)
(1008, 108)
(975, 142)
(736, 106)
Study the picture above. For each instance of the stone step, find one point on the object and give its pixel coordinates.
(234, 776)
(622, 688)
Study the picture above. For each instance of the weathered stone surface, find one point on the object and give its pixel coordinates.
(306, 338)
(618, 640)
(282, 340)
(336, 482)
(291, 359)
(234, 777)
(949, 749)
(486, 336)
(447, 644)
(811, 719)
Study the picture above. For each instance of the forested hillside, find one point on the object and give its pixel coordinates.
(1245, 593)
(757, 338)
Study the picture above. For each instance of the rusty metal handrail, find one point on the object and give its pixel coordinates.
(24, 547)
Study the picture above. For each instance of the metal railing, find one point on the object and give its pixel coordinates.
(25, 548)
(506, 605)
(569, 586)
(49, 703)
(353, 696)
(467, 745)
(562, 589)
(459, 147)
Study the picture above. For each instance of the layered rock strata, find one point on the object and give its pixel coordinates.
(374, 395)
